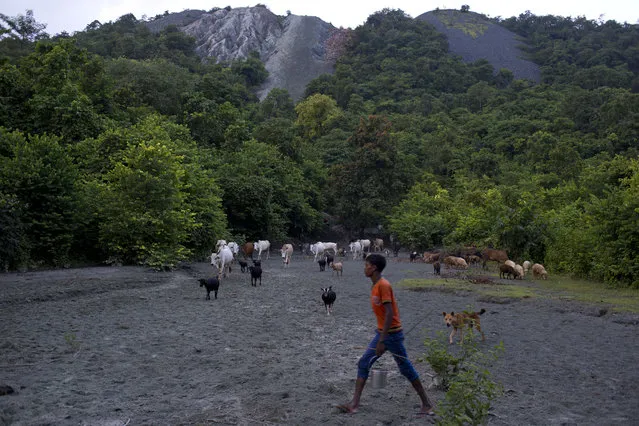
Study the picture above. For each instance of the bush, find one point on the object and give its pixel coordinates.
(465, 377)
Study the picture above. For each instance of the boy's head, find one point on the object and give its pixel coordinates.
(376, 260)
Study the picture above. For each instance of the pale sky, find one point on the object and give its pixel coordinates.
(75, 15)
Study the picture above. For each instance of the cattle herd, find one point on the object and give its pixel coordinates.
(325, 253)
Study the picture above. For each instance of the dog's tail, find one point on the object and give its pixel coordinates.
(482, 311)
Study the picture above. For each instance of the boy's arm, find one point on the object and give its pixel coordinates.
(388, 320)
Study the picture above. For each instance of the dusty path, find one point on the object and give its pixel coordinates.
(115, 346)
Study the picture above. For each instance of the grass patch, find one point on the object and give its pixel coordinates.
(620, 299)
(556, 287)
(456, 284)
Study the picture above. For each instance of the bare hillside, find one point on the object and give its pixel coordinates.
(474, 37)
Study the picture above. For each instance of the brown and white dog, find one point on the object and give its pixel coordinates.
(460, 320)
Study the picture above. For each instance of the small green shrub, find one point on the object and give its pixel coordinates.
(72, 341)
(464, 375)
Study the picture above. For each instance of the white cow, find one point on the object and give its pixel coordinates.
(222, 260)
(287, 252)
(260, 246)
(318, 250)
(235, 248)
(356, 249)
(366, 245)
(219, 245)
(331, 246)
(378, 244)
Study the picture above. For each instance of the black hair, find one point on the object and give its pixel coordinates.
(377, 260)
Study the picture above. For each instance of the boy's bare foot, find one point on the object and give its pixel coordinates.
(426, 411)
(347, 408)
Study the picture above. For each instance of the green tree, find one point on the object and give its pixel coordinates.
(251, 69)
(265, 194)
(315, 114)
(367, 187)
(153, 201)
(421, 220)
(22, 27)
(37, 178)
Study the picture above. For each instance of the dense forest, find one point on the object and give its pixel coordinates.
(120, 145)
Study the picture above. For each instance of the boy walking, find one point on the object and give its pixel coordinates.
(389, 336)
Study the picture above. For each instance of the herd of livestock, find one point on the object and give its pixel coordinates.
(324, 253)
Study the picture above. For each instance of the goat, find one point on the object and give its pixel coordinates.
(328, 296)
(256, 273)
(329, 259)
(413, 256)
(243, 265)
(338, 268)
(322, 264)
(211, 284)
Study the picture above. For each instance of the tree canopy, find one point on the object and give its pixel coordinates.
(121, 145)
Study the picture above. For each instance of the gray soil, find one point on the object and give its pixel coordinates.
(126, 345)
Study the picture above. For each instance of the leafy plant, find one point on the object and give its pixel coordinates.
(465, 376)
(72, 341)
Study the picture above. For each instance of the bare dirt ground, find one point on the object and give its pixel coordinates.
(126, 345)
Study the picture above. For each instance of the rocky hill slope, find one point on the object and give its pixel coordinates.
(293, 47)
(473, 37)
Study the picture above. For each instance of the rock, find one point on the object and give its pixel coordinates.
(6, 390)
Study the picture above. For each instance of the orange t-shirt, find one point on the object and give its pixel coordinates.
(381, 293)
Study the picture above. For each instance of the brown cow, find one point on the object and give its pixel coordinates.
(247, 249)
(431, 256)
(499, 256)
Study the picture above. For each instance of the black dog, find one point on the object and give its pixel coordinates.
(322, 264)
(211, 284)
(243, 265)
(328, 296)
(256, 272)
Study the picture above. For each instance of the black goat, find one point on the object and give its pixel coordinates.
(328, 296)
(329, 259)
(243, 265)
(256, 272)
(413, 256)
(211, 284)
(322, 264)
